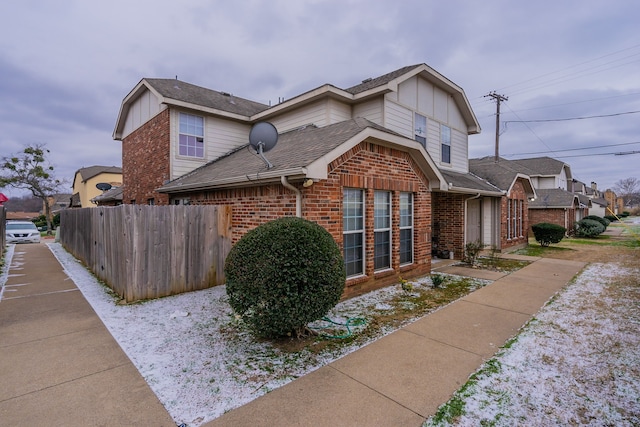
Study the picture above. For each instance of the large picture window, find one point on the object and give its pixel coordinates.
(353, 231)
(445, 143)
(382, 230)
(406, 228)
(191, 137)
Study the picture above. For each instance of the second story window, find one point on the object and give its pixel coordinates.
(420, 130)
(445, 140)
(191, 137)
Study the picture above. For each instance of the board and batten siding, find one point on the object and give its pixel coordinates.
(418, 95)
(141, 111)
(220, 138)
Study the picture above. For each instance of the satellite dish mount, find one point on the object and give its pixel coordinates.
(262, 138)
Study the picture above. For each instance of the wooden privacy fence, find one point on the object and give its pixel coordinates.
(144, 252)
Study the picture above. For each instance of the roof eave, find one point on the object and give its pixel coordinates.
(235, 181)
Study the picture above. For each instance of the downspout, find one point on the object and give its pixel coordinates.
(287, 184)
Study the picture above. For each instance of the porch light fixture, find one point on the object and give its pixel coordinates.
(307, 183)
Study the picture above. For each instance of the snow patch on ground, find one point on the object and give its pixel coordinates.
(194, 356)
(576, 363)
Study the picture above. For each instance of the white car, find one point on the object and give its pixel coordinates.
(22, 232)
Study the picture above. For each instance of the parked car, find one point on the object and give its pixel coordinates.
(22, 232)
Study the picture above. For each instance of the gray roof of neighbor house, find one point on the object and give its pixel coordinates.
(502, 173)
(544, 166)
(554, 198)
(299, 153)
(192, 94)
(584, 200)
(469, 183)
(114, 193)
(91, 171)
(600, 201)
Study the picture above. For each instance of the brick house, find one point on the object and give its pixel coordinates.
(382, 165)
(556, 206)
(514, 205)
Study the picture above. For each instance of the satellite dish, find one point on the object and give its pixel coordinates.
(262, 138)
(103, 186)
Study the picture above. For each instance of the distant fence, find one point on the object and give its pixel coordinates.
(144, 252)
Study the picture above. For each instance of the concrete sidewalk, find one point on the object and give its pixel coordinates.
(401, 379)
(59, 365)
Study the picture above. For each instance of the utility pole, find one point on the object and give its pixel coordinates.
(498, 98)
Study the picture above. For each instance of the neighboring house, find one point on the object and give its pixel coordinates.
(382, 165)
(598, 204)
(556, 200)
(615, 204)
(556, 206)
(111, 197)
(86, 179)
(513, 208)
(58, 202)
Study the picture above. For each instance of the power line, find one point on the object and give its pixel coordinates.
(572, 118)
(572, 149)
(623, 153)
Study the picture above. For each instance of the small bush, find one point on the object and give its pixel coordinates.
(283, 275)
(589, 228)
(546, 233)
(437, 280)
(604, 221)
(611, 218)
(624, 214)
(471, 252)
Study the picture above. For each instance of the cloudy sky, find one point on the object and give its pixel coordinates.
(66, 65)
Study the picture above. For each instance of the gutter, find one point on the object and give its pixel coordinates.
(287, 184)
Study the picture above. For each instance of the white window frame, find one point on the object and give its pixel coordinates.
(508, 219)
(382, 227)
(445, 141)
(420, 132)
(349, 228)
(406, 225)
(193, 133)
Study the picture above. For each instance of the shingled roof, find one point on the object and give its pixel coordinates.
(544, 166)
(502, 173)
(465, 182)
(554, 198)
(186, 92)
(381, 80)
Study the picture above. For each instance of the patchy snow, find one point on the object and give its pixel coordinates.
(576, 363)
(194, 356)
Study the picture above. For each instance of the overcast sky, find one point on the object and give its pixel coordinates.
(65, 67)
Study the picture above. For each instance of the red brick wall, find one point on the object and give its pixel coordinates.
(366, 166)
(517, 193)
(562, 217)
(145, 161)
(448, 222)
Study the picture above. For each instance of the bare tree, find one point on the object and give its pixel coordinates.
(629, 190)
(30, 170)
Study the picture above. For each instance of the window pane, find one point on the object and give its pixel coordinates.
(353, 231)
(445, 140)
(382, 214)
(406, 246)
(191, 138)
(406, 209)
(446, 153)
(382, 250)
(353, 251)
(420, 131)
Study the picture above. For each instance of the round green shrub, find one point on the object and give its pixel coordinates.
(283, 275)
(611, 218)
(589, 228)
(604, 221)
(547, 233)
